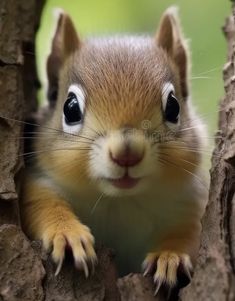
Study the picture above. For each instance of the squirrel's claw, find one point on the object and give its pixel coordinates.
(82, 265)
(59, 266)
(158, 284)
(81, 242)
(164, 266)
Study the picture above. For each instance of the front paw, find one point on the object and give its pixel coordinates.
(164, 266)
(75, 236)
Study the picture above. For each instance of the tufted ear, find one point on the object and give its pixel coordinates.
(170, 38)
(64, 43)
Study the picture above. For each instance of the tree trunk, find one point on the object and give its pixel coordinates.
(214, 278)
(19, 21)
(27, 273)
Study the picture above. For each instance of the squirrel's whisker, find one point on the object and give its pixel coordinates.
(185, 170)
(209, 71)
(48, 138)
(43, 126)
(53, 150)
(96, 203)
(201, 77)
(195, 150)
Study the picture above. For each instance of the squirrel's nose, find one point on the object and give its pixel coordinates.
(127, 158)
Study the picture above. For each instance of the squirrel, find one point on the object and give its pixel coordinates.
(119, 158)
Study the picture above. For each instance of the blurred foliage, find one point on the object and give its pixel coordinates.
(201, 20)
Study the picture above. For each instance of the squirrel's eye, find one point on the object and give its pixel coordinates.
(172, 109)
(72, 110)
(170, 104)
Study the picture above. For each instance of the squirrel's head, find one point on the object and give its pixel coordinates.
(122, 109)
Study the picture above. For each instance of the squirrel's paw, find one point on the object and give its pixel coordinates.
(164, 266)
(78, 238)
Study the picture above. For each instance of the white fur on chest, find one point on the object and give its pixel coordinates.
(133, 225)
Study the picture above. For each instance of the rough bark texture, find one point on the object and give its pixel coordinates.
(21, 272)
(214, 278)
(18, 81)
(26, 272)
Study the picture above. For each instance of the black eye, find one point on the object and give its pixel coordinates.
(172, 109)
(72, 111)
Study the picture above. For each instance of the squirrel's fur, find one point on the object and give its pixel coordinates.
(157, 221)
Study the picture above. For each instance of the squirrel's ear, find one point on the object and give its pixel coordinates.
(170, 38)
(65, 42)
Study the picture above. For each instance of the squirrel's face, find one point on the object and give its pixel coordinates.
(122, 108)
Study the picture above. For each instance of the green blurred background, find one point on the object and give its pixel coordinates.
(201, 20)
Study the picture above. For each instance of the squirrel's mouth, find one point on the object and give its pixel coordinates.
(125, 182)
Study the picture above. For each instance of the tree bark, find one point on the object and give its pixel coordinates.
(214, 278)
(19, 21)
(26, 271)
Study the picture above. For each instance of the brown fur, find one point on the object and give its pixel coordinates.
(122, 78)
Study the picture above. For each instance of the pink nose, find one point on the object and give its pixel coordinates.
(127, 158)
